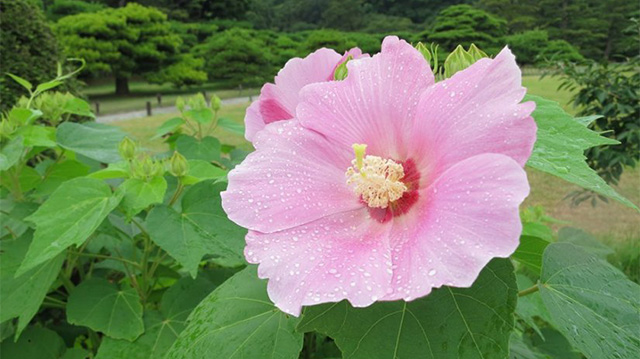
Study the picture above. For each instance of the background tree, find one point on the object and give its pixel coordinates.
(29, 48)
(62, 8)
(121, 42)
(464, 24)
(345, 15)
(534, 47)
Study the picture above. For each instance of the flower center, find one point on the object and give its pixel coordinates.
(376, 180)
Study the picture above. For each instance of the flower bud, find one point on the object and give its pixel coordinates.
(178, 165)
(127, 148)
(216, 103)
(342, 71)
(180, 104)
(460, 59)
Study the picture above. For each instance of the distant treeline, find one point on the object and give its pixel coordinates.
(187, 42)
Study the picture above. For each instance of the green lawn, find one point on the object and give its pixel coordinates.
(609, 221)
(141, 92)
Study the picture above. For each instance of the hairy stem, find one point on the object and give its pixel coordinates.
(528, 291)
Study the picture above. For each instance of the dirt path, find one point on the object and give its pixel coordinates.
(143, 113)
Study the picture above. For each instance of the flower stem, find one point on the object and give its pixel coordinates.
(528, 291)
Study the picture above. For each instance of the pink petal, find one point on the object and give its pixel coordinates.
(294, 177)
(476, 111)
(343, 256)
(470, 215)
(278, 102)
(375, 104)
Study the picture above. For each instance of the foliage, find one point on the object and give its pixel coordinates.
(128, 254)
(130, 40)
(464, 25)
(28, 48)
(533, 47)
(612, 92)
(238, 56)
(62, 8)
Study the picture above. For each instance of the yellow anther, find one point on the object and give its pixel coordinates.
(375, 179)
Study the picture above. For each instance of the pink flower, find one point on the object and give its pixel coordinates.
(278, 101)
(429, 201)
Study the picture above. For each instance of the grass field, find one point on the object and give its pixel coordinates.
(611, 222)
(141, 92)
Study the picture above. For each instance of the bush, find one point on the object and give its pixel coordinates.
(533, 47)
(328, 38)
(29, 48)
(237, 55)
(464, 25)
(62, 8)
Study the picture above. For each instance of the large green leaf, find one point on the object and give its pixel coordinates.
(93, 140)
(58, 173)
(163, 327)
(200, 170)
(591, 302)
(456, 323)
(140, 194)
(169, 126)
(207, 149)
(69, 216)
(585, 240)
(238, 321)
(21, 296)
(35, 343)
(101, 306)
(200, 228)
(231, 126)
(559, 149)
(36, 135)
(529, 252)
(11, 152)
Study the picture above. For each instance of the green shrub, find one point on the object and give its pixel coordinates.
(29, 48)
(533, 47)
(62, 8)
(464, 25)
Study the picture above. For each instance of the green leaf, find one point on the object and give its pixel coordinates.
(448, 323)
(69, 216)
(529, 252)
(207, 149)
(113, 170)
(590, 302)
(58, 173)
(554, 345)
(36, 135)
(35, 343)
(535, 229)
(584, 240)
(200, 115)
(77, 106)
(11, 152)
(161, 328)
(202, 170)
(94, 140)
(201, 228)
(76, 353)
(559, 148)
(530, 306)
(101, 306)
(24, 83)
(21, 296)
(139, 194)
(238, 321)
(24, 116)
(12, 217)
(169, 126)
(231, 126)
(518, 349)
(48, 85)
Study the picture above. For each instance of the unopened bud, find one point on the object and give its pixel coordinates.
(460, 59)
(342, 71)
(180, 104)
(178, 165)
(127, 148)
(216, 102)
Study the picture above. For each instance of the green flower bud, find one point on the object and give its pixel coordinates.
(216, 103)
(342, 71)
(178, 165)
(180, 104)
(460, 59)
(430, 54)
(127, 148)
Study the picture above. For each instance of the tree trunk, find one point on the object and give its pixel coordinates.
(122, 86)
